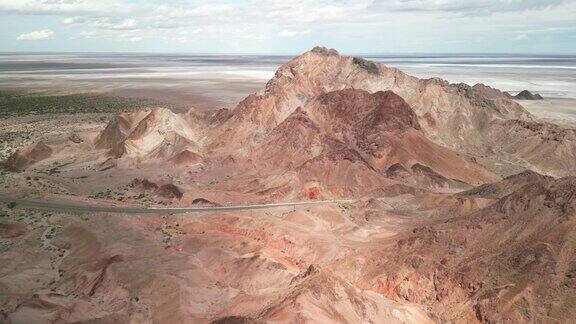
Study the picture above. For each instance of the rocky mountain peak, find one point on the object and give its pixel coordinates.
(321, 50)
(384, 110)
(527, 95)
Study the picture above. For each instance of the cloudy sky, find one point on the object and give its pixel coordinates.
(289, 26)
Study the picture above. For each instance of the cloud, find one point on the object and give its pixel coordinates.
(209, 9)
(476, 7)
(135, 39)
(63, 7)
(131, 36)
(73, 20)
(293, 33)
(254, 36)
(521, 37)
(377, 24)
(116, 24)
(164, 24)
(205, 10)
(36, 35)
(312, 11)
(185, 35)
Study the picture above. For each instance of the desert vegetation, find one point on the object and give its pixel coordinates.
(21, 103)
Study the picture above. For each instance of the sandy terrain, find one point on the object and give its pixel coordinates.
(17, 132)
(198, 268)
(555, 110)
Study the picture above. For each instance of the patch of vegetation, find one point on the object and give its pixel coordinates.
(10, 140)
(42, 185)
(127, 193)
(52, 231)
(344, 210)
(6, 245)
(20, 103)
(169, 231)
(369, 66)
(167, 236)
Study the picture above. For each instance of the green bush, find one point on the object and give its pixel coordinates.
(18, 103)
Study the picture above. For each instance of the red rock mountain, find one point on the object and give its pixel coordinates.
(510, 261)
(351, 139)
(343, 125)
(468, 119)
(151, 134)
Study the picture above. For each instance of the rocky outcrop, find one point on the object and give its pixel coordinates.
(539, 146)
(527, 95)
(157, 134)
(319, 296)
(169, 191)
(143, 184)
(349, 139)
(508, 262)
(506, 186)
(28, 156)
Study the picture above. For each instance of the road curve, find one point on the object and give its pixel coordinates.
(71, 206)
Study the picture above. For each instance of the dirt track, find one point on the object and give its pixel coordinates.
(62, 205)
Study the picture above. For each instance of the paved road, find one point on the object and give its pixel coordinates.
(68, 205)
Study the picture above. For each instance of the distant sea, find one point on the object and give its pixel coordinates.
(550, 75)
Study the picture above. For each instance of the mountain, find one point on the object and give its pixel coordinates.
(437, 104)
(350, 141)
(157, 134)
(511, 260)
(527, 95)
(467, 119)
(341, 126)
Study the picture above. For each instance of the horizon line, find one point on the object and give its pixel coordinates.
(290, 53)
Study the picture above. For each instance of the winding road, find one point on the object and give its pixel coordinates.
(75, 206)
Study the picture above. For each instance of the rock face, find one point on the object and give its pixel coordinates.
(157, 134)
(348, 140)
(27, 156)
(512, 260)
(527, 95)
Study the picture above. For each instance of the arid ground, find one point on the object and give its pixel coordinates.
(435, 201)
